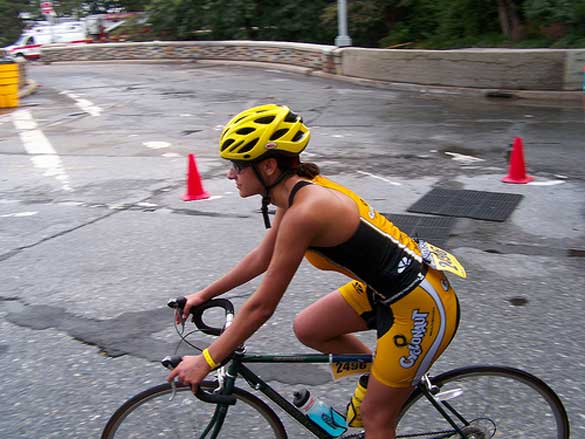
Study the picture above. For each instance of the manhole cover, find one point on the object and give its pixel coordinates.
(431, 229)
(491, 206)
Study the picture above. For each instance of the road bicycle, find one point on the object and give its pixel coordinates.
(475, 402)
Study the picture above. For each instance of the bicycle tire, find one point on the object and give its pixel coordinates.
(520, 406)
(150, 414)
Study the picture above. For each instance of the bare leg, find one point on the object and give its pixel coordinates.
(327, 324)
(381, 407)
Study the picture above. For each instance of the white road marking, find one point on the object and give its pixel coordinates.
(546, 183)
(18, 214)
(171, 155)
(309, 154)
(35, 143)
(463, 158)
(394, 183)
(156, 145)
(87, 106)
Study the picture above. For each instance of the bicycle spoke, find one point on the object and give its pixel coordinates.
(152, 415)
(496, 404)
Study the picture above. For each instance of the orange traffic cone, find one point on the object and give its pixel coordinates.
(517, 171)
(195, 189)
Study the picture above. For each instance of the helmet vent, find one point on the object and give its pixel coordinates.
(264, 120)
(291, 117)
(278, 134)
(298, 136)
(226, 144)
(235, 146)
(248, 146)
(246, 130)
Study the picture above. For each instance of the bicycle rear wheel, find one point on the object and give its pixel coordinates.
(150, 414)
(494, 402)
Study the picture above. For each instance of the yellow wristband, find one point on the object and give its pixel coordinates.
(209, 360)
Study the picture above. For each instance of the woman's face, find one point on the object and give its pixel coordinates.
(245, 179)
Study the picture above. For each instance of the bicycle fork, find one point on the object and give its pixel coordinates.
(226, 378)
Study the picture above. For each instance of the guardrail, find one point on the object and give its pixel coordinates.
(506, 69)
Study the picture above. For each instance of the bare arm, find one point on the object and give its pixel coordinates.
(252, 265)
(295, 234)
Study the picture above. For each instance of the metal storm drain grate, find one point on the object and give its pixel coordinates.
(491, 206)
(434, 230)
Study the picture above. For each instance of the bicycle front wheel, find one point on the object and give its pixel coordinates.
(151, 414)
(487, 402)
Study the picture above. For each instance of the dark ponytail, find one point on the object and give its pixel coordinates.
(307, 170)
(293, 165)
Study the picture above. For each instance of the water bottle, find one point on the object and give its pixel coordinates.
(320, 413)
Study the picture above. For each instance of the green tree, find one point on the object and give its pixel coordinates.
(460, 20)
(510, 18)
(176, 19)
(105, 6)
(80, 8)
(549, 11)
(10, 23)
(240, 19)
(369, 20)
(284, 20)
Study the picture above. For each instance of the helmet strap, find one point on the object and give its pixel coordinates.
(266, 197)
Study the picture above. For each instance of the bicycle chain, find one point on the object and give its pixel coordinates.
(443, 434)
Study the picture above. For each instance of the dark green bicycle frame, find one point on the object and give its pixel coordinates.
(237, 367)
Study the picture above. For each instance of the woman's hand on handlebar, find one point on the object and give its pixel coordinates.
(192, 370)
(193, 300)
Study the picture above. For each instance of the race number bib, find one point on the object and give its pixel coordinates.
(440, 259)
(343, 369)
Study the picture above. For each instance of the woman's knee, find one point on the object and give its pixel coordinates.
(304, 331)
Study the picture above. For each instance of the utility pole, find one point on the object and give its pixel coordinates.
(49, 13)
(343, 38)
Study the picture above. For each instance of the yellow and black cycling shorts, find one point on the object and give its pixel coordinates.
(412, 331)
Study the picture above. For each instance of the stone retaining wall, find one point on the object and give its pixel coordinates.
(312, 56)
(513, 69)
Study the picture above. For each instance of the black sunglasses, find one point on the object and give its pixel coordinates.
(240, 166)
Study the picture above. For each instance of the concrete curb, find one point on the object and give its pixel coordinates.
(30, 88)
(559, 96)
(570, 96)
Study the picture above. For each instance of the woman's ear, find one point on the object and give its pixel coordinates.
(270, 166)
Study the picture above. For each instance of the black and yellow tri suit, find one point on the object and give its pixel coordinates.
(411, 305)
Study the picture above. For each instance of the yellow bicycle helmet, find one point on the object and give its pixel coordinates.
(266, 130)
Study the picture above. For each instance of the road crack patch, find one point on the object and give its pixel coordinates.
(130, 333)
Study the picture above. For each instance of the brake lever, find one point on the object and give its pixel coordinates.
(173, 390)
(170, 363)
(179, 317)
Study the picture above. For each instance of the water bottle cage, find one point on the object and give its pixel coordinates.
(331, 420)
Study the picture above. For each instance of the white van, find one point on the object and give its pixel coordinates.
(30, 42)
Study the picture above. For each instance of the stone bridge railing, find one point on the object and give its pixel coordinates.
(492, 69)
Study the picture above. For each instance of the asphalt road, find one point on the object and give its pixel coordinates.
(94, 235)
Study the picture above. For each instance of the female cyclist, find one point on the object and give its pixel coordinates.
(392, 289)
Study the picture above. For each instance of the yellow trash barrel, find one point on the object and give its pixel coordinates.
(8, 84)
